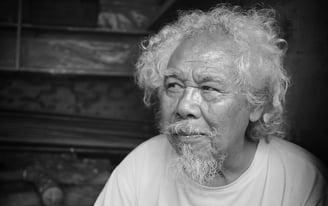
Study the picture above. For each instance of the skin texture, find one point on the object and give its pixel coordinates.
(200, 93)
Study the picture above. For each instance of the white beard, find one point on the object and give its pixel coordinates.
(200, 170)
(201, 165)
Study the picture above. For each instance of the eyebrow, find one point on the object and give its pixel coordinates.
(208, 77)
(174, 74)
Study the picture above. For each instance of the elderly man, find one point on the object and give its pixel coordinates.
(219, 80)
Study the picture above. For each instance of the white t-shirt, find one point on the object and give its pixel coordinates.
(281, 174)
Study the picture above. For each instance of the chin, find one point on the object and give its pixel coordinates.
(199, 166)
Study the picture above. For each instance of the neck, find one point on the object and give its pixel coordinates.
(235, 164)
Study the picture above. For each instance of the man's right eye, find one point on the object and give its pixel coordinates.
(173, 87)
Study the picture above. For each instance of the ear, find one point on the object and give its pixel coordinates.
(256, 113)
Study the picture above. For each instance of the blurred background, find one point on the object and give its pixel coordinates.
(69, 108)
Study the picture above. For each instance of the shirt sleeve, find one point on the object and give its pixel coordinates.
(312, 184)
(319, 193)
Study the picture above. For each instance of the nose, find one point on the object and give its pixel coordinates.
(189, 104)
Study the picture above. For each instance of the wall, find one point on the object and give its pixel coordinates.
(304, 24)
(90, 96)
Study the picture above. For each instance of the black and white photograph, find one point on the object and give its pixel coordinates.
(163, 103)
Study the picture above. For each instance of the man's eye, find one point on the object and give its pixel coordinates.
(174, 87)
(210, 93)
(209, 89)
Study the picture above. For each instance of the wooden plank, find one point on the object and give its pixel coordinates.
(76, 56)
(101, 54)
(75, 29)
(70, 131)
(166, 5)
(8, 49)
(83, 95)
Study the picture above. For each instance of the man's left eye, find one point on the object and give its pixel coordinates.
(209, 89)
(210, 93)
(173, 87)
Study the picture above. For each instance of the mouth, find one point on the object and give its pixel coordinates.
(182, 132)
(198, 144)
(190, 138)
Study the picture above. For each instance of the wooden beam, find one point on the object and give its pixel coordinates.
(70, 132)
(166, 5)
(64, 52)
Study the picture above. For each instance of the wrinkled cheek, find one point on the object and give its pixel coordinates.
(168, 106)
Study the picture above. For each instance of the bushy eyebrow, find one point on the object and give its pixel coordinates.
(210, 79)
(204, 78)
(208, 74)
(174, 74)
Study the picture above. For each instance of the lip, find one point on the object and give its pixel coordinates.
(191, 139)
(197, 142)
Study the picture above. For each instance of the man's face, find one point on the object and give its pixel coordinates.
(203, 114)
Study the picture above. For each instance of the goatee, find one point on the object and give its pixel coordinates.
(202, 171)
(202, 165)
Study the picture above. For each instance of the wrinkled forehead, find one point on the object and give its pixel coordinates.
(204, 56)
(208, 46)
(203, 75)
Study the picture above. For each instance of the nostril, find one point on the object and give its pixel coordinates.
(191, 116)
(184, 115)
(178, 116)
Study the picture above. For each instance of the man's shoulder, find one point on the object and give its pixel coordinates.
(290, 150)
(294, 157)
(152, 149)
(153, 144)
(146, 160)
(296, 168)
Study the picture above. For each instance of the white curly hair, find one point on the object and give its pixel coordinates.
(262, 77)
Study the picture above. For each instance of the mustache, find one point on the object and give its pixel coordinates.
(184, 128)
